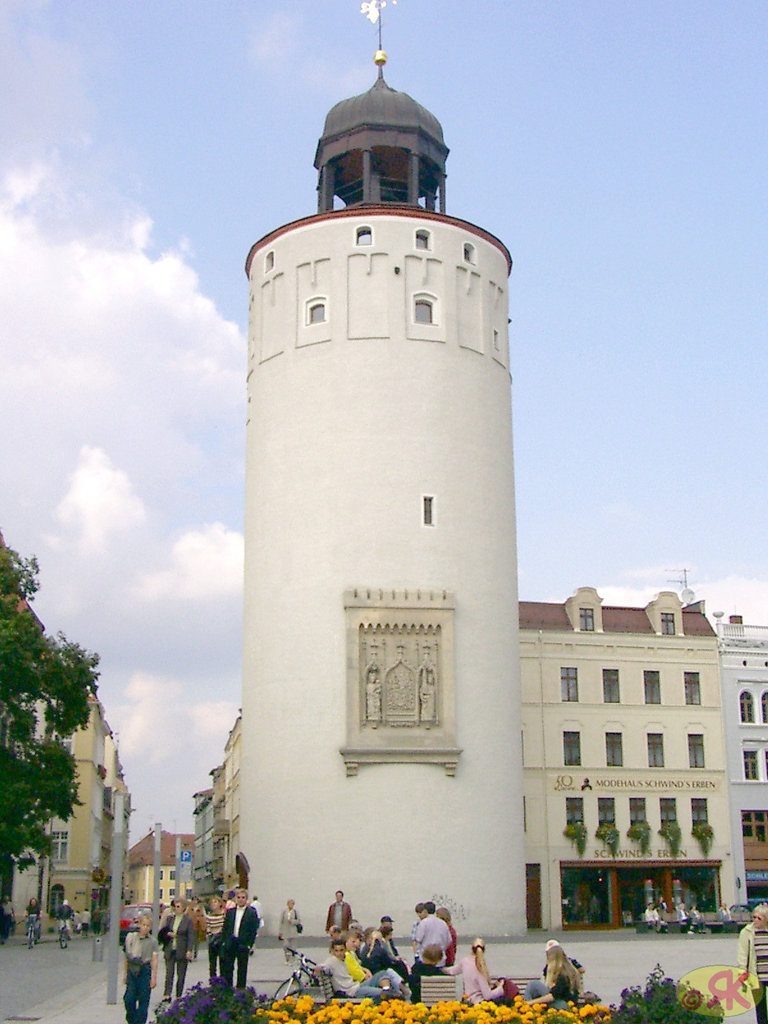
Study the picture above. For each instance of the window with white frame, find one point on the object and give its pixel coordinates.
(751, 771)
(422, 239)
(569, 683)
(695, 750)
(364, 236)
(423, 311)
(572, 748)
(655, 750)
(692, 686)
(59, 846)
(316, 313)
(746, 707)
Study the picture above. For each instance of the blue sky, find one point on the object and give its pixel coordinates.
(619, 150)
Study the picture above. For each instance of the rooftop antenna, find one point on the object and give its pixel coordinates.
(686, 594)
(372, 10)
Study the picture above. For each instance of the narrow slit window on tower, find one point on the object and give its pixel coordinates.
(269, 261)
(364, 236)
(422, 311)
(316, 312)
(469, 252)
(422, 240)
(428, 509)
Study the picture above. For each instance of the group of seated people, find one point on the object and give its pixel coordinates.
(367, 964)
(655, 917)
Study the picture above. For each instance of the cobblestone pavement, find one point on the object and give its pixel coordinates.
(53, 986)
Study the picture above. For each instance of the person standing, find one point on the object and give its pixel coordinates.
(180, 932)
(339, 913)
(752, 956)
(432, 931)
(450, 954)
(241, 924)
(141, 956)
(290, 926)
(214, 922)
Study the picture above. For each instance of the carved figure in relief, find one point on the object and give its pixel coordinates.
(401, 689)
(427, 690)
(373, 690)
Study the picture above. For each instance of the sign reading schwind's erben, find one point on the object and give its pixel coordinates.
(635, 783)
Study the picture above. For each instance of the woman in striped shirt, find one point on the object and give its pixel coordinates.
(753, 956)
(214, 920)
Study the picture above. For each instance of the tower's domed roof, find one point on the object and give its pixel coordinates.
(381, 107)
(381, 147)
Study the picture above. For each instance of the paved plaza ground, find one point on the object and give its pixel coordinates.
(613, 960)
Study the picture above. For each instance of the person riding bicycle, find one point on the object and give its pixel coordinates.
(33, 911)
(65, 916)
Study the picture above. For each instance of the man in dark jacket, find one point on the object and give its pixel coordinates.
(241, 924)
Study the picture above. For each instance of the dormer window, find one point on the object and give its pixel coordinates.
(423, 311)
(364, 236)
(269, 261)
(587, 619)
(469, 252)
(316, 312)
(668, 623)
(422, 239)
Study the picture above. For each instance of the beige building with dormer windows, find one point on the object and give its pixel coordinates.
(626, 795)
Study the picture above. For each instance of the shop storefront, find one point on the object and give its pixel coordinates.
(600, 894)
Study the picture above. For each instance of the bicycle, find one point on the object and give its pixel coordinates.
(64, 935)
(301, 980)
(33, 935)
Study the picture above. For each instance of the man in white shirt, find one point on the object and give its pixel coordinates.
(238, 935)
(432, 931)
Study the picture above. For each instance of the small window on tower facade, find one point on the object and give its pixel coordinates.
(364, 236)
(428, 510)
(422, 239)
(422, 311)
(469, 252)
(316, 313)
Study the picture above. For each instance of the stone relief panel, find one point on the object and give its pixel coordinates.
(400, 681)
(400, 677)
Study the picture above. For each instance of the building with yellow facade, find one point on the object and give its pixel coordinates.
(140, 880)
(626, 796)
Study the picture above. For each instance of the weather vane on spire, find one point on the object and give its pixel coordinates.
(372, 10)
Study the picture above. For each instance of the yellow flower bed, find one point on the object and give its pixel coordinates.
(394, 1011)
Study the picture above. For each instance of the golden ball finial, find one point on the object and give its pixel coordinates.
(380, 58)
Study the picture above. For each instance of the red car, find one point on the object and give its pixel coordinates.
(129, 918)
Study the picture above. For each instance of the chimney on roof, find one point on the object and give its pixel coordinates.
(736, 620)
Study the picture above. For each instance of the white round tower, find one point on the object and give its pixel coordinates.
(381, 695)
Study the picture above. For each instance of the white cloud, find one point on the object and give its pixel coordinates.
(213, 720)
(276, 38)
(168, 743)
(731, 595)
(206, 563)
(100, 501)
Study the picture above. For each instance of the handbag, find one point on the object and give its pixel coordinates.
(299, 927)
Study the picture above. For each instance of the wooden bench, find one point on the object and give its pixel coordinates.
(439, 988)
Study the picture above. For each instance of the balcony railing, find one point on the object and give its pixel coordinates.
(737, 631)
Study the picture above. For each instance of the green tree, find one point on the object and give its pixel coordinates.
(45, 683)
